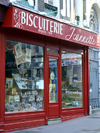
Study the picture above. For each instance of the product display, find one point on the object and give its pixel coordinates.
(35, 92)
(12, 91)
(31, 98)
(39, 98)
(39, 104)
(71, 80)
(16, 98)
(24, 81)
(9, 98)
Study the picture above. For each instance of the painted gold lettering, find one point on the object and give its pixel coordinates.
(23, 20)
(61, 29)
(80, 38)
(77, 36)
(55, 27)
(74, 36)
(27, 19)
(58, 28)
(87, 40)
(34, 21)
(43, 24)
(31, 15)
(51, 26)
(40, 22)
(68, 37)
(47, 21)
(83, 40)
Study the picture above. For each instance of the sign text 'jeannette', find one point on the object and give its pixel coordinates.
(80, 38)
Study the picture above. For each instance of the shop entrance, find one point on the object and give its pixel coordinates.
(52, 88)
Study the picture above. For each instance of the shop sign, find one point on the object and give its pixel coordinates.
(43, 25)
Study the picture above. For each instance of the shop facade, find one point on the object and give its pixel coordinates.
(44, 70)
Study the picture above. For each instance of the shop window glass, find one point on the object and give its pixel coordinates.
(52, 50)
(24, 77)
(27, 3)
(71, 80)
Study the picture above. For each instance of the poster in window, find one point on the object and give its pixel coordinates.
(18, 54)
(28, 55)
(9, 82)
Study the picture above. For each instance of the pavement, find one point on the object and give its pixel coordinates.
(86, 124)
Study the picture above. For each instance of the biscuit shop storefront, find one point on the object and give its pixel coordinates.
(44, 67)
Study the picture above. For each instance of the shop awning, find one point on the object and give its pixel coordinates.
(36, 23)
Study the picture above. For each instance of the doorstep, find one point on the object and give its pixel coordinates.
(54, 121)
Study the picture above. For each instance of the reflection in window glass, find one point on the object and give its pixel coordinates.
(27, 3)
(52, 50)
(24, 77)
(71, 80)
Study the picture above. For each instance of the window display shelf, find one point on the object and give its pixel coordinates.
(73, 90)
(25, 101)
(77, 81)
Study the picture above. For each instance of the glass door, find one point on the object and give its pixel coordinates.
(53, 104)
(53, 87)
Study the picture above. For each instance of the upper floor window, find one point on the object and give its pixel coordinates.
(27, 3)
(50, 8)
(93, 24)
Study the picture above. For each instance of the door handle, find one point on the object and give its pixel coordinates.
(47, 87)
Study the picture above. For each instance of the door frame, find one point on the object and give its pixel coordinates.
(53, 55)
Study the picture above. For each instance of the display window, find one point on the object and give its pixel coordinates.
(52, 50)
(24, 77)
(72, 90)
